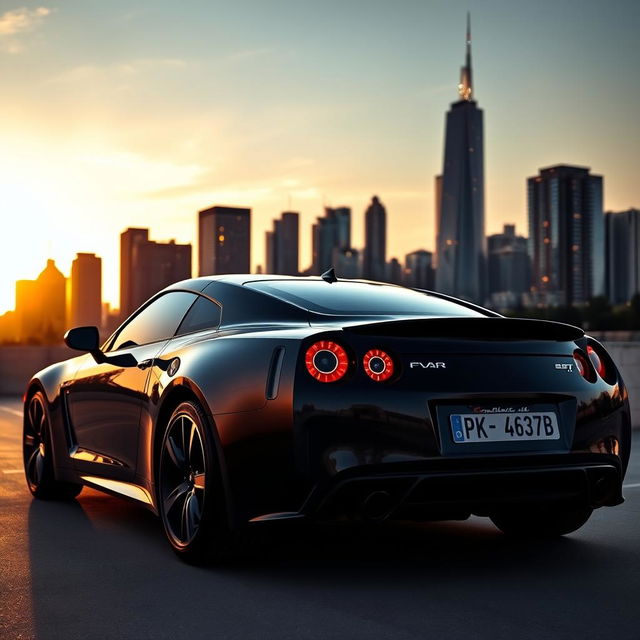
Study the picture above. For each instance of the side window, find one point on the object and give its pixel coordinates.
(204, 314)
(158, 321)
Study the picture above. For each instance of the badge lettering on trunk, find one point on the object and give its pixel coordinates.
(427, 365)
(562, 366)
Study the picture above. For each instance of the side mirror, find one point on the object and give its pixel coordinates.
(88, 339)
(83, 339)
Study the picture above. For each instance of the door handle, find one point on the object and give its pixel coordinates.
(145, 364)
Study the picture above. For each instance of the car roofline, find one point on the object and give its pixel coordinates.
(243, 279)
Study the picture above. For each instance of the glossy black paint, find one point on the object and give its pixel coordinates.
(286, 443)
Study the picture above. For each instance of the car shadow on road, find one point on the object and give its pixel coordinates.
(100, 567)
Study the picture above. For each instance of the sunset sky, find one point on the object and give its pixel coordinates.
(116, 114)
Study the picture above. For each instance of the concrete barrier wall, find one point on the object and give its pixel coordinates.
(626, 355)
(18, 364)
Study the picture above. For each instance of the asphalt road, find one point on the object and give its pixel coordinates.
(100, 568)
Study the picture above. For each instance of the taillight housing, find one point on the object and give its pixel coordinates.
(582, 365)
(597, 361)
(378, 365)
(326, 361)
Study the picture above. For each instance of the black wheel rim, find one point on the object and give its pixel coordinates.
(182, 479)
(34, 445)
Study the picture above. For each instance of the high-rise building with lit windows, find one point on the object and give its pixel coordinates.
(566, 235)
(460, 239)
(224, 240)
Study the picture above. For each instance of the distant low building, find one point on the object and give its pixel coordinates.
(347, 263)
(8, 329)
(394, 271)
(418, 270)
(509, 268)
(40, 315)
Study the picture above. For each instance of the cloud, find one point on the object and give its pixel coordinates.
(17, 22)
(21, 20)
(117, 71)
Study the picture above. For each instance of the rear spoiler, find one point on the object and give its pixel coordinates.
(471, 329)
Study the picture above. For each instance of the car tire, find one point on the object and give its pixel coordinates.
(37, 454)
(190, 491)
(542, 521)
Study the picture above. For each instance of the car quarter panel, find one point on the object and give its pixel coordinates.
(229, 372)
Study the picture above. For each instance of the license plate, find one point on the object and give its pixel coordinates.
(504, 427)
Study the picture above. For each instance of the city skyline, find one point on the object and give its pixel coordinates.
(99, 137)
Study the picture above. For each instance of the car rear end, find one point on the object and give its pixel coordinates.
(440, 418)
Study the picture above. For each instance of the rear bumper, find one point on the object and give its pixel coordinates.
(455, 488)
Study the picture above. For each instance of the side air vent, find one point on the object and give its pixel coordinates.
(275, 369)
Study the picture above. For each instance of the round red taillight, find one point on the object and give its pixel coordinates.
(378, 365)
(581, 364)
(326, 361)
(596, 361)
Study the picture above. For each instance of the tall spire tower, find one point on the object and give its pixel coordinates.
(465, 88)
(460, 241)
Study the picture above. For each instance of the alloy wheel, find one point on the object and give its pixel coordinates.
(35, 442)
(182, 479)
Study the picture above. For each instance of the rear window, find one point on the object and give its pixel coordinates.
(360, 298)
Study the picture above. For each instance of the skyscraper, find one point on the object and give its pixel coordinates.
(375, 233)
(438, 204)
(461, 254)
(269, 252)
(128, 241)
(85, 301)
(622, 233)
(224, 240)
(333, 231)
(146, 267)
(566, 235)
(282, 245)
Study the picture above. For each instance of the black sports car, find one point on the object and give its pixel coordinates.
(225, 401)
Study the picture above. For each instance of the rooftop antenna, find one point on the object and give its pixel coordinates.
(330, 276)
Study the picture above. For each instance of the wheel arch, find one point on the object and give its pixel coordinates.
(185, 390)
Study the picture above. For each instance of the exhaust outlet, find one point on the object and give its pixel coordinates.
(377, 505)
